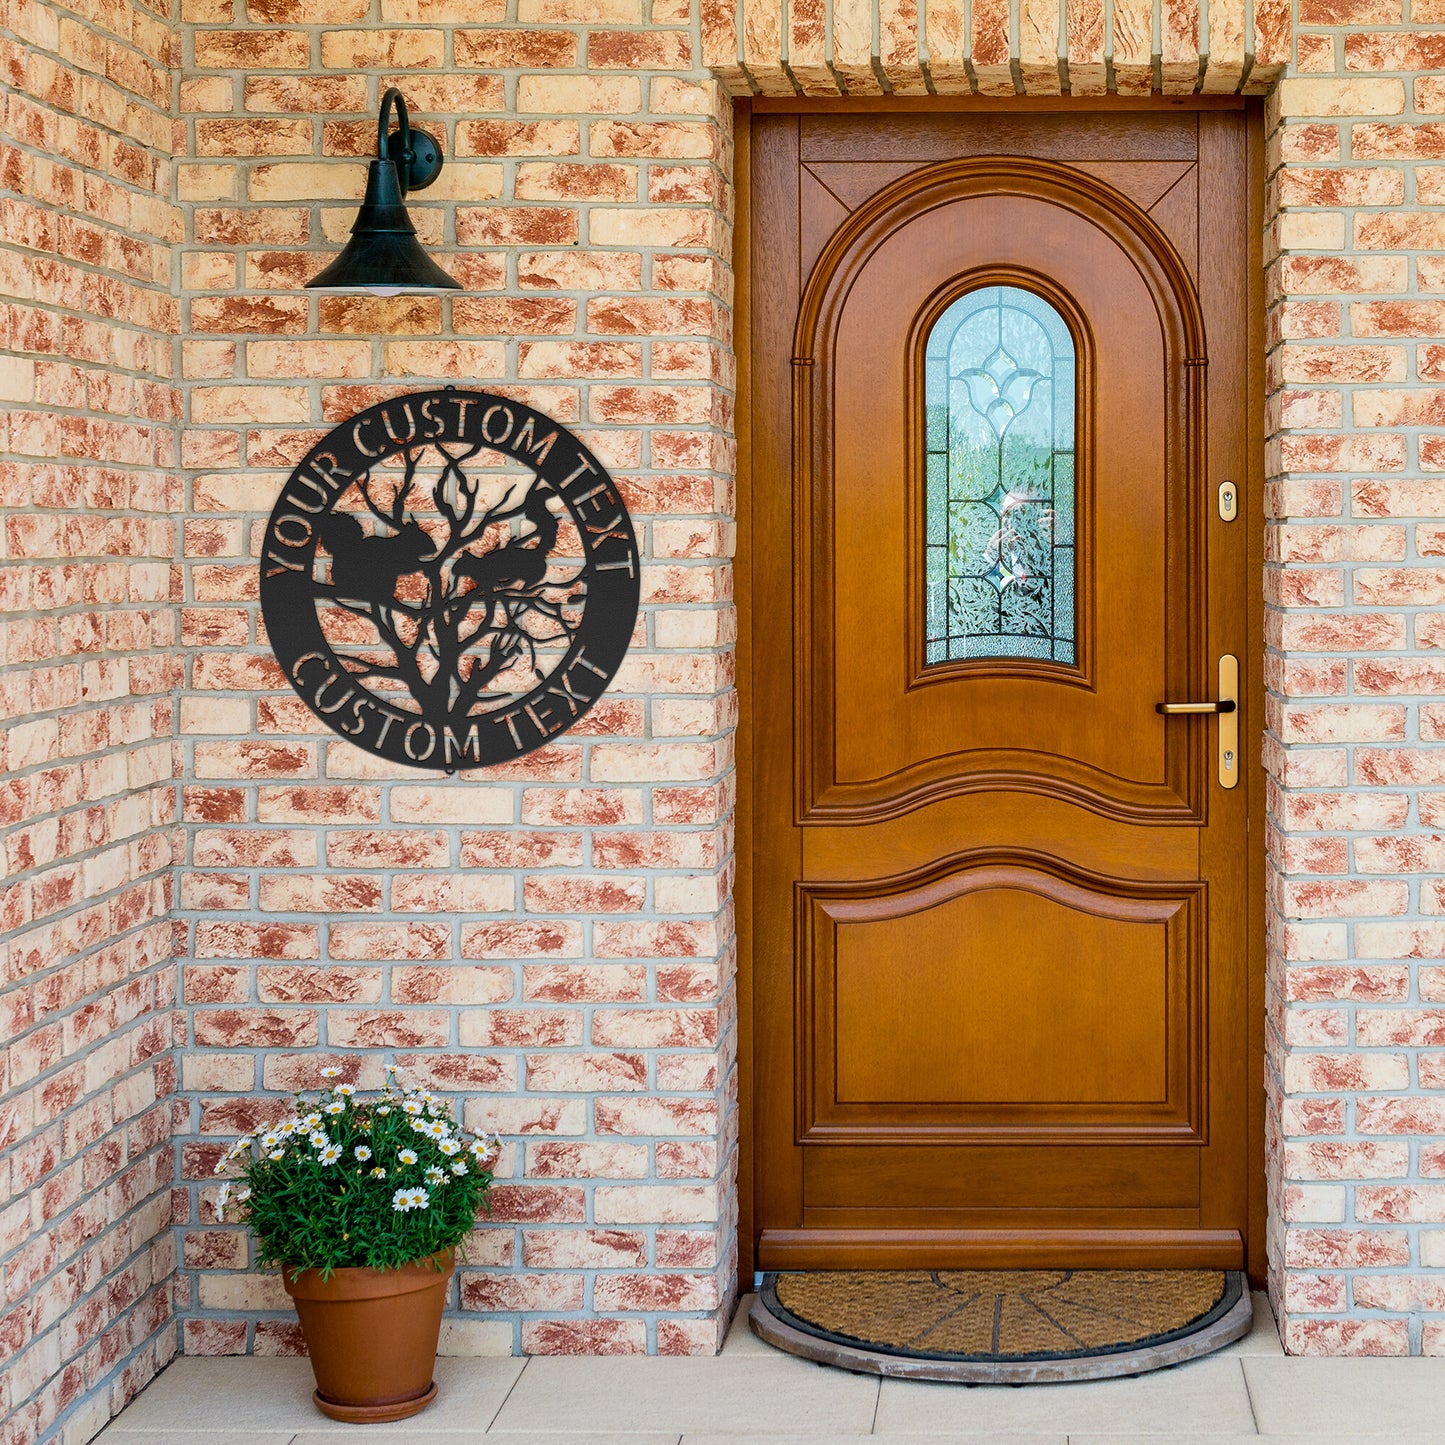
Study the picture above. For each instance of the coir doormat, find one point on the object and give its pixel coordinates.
(1003, 1326)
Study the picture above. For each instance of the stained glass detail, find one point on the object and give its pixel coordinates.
(999, 391)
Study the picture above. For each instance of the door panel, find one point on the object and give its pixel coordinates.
(987, 1044)
(999, 901)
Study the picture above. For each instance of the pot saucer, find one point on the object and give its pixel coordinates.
(375, 1414)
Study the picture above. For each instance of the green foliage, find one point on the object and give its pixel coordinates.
(378, 1181)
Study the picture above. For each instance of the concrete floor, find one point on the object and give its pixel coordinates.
(1244, 1392)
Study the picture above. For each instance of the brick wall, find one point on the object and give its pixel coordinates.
(88, 536)
(1356, 1072)
(551, 941)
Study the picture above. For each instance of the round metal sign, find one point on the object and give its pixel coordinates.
(449, 579)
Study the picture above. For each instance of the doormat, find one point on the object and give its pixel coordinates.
(1001, 1326)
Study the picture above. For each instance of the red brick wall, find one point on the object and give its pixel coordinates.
(88, 500)
(1354, 583)
(550, 941)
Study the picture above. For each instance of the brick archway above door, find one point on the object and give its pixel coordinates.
(996, 47)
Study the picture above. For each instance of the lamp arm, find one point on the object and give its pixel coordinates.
(393, 97)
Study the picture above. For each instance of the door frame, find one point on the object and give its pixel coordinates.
(1253, 517)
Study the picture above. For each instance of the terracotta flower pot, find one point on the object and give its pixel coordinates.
(372, 1336)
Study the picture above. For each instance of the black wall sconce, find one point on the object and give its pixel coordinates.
(383, 255)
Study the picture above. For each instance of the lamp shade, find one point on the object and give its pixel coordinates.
(383, 255)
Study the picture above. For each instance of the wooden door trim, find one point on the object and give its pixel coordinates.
(1006, 1249)
(1255, 393)
(742, 602)
(1214, 1247)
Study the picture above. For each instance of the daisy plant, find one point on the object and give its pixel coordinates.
(349, 1180)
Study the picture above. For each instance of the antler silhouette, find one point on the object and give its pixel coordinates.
(396, 517)
(458, 521)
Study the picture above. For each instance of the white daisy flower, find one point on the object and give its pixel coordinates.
(335, 1107)
(331, 1073)
(435, 1175)
(392, 1068)
(221, 1200)
(385, 1109)
(437, 1129)
(289, 1127)
(220, 1165)
(413, 1106)
(345, 1090)
(331, 1154)
(378, 1172)
(319, 1139)
(362, 1152)
(270, 1139)
(311, 1120)
(450, 1146)
(407, 1156)
(459, 1167)
(277, 1154)
(242, 1195)
(402, 1201)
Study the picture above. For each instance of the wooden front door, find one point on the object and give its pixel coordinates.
(1001, 904)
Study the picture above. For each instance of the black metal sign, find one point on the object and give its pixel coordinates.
(449, 579)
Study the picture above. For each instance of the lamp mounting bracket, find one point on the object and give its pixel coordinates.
(417, 157)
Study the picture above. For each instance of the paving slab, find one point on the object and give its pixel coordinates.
(399, 1434)
(190, 1437)
(212, 1396)
(1131, 1439)
(740, 1337)
(776, 1395)
(711, 1439)
(1352, 1397)
(1203, 1397)
(1263, 1337)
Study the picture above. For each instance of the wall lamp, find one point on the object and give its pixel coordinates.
(383, 255)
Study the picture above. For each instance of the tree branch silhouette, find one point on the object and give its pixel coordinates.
(482, 610)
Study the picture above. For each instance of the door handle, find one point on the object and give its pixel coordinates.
(1175, 709)
(1227, 709)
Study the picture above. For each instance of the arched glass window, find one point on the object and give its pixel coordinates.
(999, 517)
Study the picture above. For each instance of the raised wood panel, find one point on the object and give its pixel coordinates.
(1014, 998)
(821, 214)
(876, 737)
(1025, 1001)
(1136, 136)
(989, 1178)
(1176, 213)
(1144, 182)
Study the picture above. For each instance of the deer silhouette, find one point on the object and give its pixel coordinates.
(367, 568)
(516, 564)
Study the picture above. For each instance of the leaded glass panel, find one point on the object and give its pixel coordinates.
(999, 392)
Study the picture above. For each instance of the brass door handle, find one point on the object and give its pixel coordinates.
(1227, 705)
(1174, 709)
